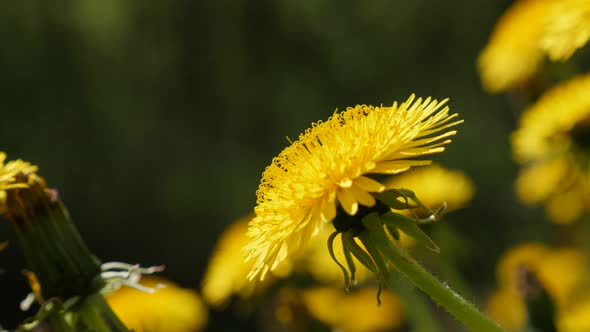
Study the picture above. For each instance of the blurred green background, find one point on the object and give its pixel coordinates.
(155, 119)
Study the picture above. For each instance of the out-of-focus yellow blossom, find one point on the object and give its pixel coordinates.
(507, 308)
(568, 28)
(227, 271)
(434, 185)
(552, 141)
(576, 317)
(168, 309)
(3, 245)
(318, 262)
(328, 166)
(354, 311)
(513, 53)
(560, 271)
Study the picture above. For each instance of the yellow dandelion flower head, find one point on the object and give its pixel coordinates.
(317, 260)
(513, 54)
(568, 28)
(327, 166)
(354, 311)
(169, 309)
(552, 140)
(8, 176)
(227, 270)
(561, 272)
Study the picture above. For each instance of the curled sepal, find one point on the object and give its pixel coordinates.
(331, 251)
(410, 227)
(380, 270)
(348, 257)
(359, 253)
(373, 263)
(401, 199)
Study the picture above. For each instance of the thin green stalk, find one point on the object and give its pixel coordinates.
(94, 314)
(418, 311)
(441, 293)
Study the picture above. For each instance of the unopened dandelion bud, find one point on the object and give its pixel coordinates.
(65, 276)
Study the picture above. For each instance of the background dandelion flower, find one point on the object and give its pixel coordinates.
(354, 311)
(560, 271)
(576, 316)
(568, 28)
(168, 309)
(513, 54)
(552, 140)
(227, 270)
(434, 185)
(327, 166)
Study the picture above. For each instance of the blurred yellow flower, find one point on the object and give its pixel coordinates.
(327, 166)
(568, 28)
(506, 307)
(354, 311)
(576, 317)
(227, 271)
(552, 140)
(168, 309)
(513, 53)
(560, 271)
(434, 185)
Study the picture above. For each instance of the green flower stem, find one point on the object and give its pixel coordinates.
(94, 314)
(64, 267)
(441, 293)
(419, 314)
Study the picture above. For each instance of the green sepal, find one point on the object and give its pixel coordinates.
(333, 256)
(401, 199)
(359, 252)
(349, 259)
(410, 227)
(393, 232)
